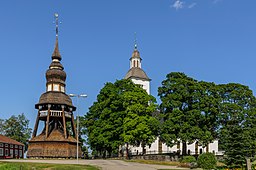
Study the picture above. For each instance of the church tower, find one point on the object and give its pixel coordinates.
(55, 110)
(135, 73)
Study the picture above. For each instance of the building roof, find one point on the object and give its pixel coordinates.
(4, 139)
(135, 54)
(54, 136)
(53, 97)
(136, 72)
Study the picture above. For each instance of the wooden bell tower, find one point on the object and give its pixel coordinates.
(55, 110)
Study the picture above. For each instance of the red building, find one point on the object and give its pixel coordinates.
(10, 148)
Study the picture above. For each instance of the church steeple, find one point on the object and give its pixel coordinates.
(135, 60)
(135, 73)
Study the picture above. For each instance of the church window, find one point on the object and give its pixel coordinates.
(134, 63)
(137, 63)
(49, 87)
(55, 87)
(62, 89)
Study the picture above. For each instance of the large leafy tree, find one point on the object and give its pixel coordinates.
(180, 118)
(189, 109)
(121, 114)
(208, 103)
(17, 128)
(237, 128)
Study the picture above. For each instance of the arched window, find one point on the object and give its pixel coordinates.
(137, 63)
(134, 63)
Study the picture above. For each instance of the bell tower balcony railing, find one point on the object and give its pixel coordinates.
(54, 113)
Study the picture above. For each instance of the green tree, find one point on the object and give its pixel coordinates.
(121, 114)
(237, 132)
(17, 128)
(189, 109)
(208, 102)
(2, 126)
(180, 117)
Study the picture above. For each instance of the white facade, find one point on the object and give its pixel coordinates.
(145, 84)
(163, 148)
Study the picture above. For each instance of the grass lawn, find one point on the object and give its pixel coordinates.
(169, 163)
(42, 166)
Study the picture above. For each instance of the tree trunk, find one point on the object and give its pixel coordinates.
(143, 150)
(196, 148)
(184, 148)
(207, 148)
(127, 151)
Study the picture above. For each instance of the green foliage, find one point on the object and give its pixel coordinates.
(189, 110)
(188, 159)
(122, 114)
(237, 122)
(207, 161)
(17, 128)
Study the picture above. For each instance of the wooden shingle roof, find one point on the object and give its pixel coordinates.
(4, 139)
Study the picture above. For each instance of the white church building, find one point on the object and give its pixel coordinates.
(138, 76)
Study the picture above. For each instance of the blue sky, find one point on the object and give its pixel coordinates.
(211, 40)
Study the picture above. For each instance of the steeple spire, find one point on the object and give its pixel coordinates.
(56, 52)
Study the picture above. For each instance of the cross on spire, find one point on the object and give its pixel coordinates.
(135, 41)
(56, 15)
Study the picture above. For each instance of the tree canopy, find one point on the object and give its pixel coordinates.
(17, 128)
(122, 114)
(189, 109)
(202, 111)
(237, 123)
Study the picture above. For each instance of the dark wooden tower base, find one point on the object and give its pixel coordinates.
(53, 147)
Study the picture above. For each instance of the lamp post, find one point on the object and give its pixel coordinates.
(77, 120)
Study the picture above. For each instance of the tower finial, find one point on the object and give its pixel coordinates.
(135, 41)
(56, 15)
(56, 53)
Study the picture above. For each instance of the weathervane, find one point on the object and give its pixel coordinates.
(135, 40)
(56, 15)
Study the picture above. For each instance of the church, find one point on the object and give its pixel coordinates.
(139, 76)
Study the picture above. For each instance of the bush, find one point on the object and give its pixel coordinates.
(188, 159)
(207, 161)
(188, 162)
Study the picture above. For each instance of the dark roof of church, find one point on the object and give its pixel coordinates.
(53, 97)
(136, 72)
(4, 139)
